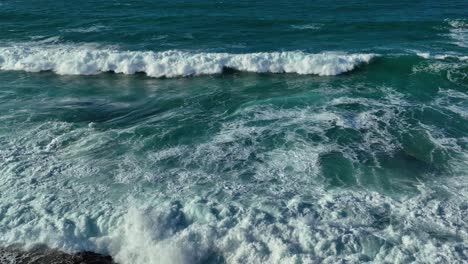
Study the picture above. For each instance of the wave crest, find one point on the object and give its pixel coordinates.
(83, 60)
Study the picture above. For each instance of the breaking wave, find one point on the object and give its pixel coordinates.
(86, 60)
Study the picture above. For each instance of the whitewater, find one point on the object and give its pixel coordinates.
(225, 132)
(185, 203)
(87, 61)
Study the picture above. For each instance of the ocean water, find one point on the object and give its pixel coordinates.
(235, 131)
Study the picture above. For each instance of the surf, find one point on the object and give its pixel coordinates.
(86, 60)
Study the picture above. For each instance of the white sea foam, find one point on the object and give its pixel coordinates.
(91, 29)
(45, 39)
(454, 70)
(60, 195)
(459, 32)
(354, 226)
(85, 60)
(428, 55)
(59, 188)
(335, 226)
(454, 101)
(307, 26)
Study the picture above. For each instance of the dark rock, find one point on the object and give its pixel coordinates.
(44, 255)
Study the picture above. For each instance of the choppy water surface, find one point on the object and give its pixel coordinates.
(235, 132)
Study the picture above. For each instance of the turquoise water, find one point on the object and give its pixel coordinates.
(236, 132)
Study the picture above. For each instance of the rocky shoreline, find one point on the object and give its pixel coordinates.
(44, 255)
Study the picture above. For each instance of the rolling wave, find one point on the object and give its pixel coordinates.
(86, 60)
